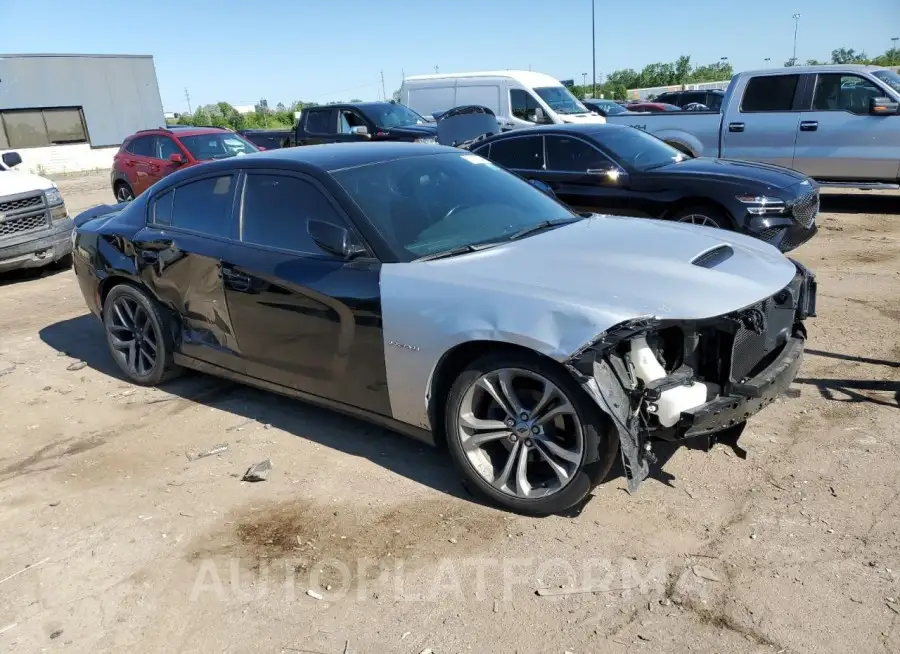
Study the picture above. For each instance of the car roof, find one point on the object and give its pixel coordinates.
(525, 77)
(583, 129)
(181, 131)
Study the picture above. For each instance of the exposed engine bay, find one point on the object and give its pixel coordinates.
(675, 380)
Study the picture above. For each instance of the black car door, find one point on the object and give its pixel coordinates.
(190, 227)
(304, 318)
(584, 177)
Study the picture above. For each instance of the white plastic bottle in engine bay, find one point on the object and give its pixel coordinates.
(673, 401)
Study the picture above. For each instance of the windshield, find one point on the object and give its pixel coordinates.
(217, 145)
(612, 108)
(636, 149)
(392, 115)
(890, 78)
(561, 100)
(433, 203)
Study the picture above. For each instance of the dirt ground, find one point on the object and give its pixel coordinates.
(115, 537)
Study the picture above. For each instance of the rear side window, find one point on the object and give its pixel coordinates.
(162, 209)
(319, 121)
(523, 153)
(277, 210)
(203, 206)
(143, 146)
(770, 93)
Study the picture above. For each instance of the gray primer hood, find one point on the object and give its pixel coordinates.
(557, 291)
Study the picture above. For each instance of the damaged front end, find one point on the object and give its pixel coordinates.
(681, 379)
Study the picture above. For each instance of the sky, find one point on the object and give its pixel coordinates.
(315, 50)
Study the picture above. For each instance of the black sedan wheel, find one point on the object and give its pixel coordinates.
(525, 435)
(137, 336)
(706, 216)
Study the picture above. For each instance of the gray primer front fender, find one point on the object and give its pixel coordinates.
(426, 315)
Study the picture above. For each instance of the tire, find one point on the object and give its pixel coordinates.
(129, 316)
(123, 192)
(483, 465)
(712, 216)
(64, 262)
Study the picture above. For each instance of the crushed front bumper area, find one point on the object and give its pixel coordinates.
(745, 360)
(747, 398)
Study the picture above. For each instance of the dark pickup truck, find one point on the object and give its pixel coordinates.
(364, 121)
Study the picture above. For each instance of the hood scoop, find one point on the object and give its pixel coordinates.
(713, 257)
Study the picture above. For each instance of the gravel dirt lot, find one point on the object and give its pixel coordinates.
(115, 538)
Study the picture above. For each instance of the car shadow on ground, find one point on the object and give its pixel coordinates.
(29, 274)
(859, 203)
(852, 390)
(82, 338)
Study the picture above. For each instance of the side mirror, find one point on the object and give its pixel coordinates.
(359, 130)
(335, 239)
(176, 158)
(12, 159)
(877, 107)
(542, 187)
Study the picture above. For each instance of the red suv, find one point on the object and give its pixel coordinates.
(150, 154)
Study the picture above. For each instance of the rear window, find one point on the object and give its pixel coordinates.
(770, 93)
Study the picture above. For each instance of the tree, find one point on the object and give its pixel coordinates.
(848, 56)
(815, 62)
(889, 58)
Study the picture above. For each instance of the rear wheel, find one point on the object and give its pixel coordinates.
(138, 336)
(123, 192)
(704, 215)
(525, 435)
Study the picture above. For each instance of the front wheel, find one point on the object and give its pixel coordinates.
(706, 216)
(525, 435)
(124, 192)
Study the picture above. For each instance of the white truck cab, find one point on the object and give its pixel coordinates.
(519, 98)
(35, 227)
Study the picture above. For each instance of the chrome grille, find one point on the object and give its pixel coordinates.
(20, 214)
(19, 204)
(806, 208)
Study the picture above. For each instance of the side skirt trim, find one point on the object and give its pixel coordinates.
(412, 431)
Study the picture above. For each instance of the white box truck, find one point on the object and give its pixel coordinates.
(519, 98)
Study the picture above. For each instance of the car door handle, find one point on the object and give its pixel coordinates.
(809, 125)
(235, 280)
(735, 127)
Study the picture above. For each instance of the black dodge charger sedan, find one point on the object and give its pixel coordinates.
(620, 170)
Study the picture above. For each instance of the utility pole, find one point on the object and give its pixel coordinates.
(796, 27)
(767, 60)
(584, 80)
(187, 96)
(594, 47)
(435, 70)
(383, 92)
(894, 42)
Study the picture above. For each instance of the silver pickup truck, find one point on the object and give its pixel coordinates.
(838, 124)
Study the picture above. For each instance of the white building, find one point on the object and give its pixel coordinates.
(69, 113)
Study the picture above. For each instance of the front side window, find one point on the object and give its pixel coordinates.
(636, 149)
(561, 100)
(204, 206)
(166, 147)
(217, 145)
(277, 210)
(770, 93)
(835, 92)
(573, 155)
(432, 203)
(144, 146)
(523, 105)
(320, 121)
(350, 119)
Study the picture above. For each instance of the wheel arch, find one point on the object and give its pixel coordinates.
(452, 363)
(697, 201)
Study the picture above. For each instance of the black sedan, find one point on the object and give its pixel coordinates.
(620, 170)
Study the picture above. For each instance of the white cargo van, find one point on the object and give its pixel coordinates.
(519, 98)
